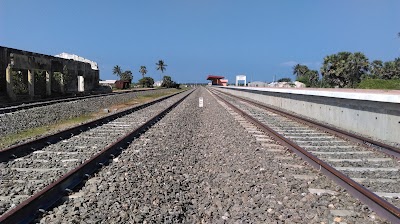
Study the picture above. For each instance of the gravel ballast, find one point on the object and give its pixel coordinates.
(50, 162)
(201, 165)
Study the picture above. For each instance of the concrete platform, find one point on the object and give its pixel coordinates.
(389, 96)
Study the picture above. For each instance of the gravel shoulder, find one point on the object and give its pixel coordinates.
(201, 165)
(18, 121)
(25, 130)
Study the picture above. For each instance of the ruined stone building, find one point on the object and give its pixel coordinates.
(25, 74)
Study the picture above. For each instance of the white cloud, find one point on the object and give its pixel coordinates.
(289, 63)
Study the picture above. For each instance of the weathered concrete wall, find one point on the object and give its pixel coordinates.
(3, 65)
(377, 119)
(24, 60)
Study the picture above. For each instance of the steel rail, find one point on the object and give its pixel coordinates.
(29, 209)
(9, 108)
(388, 149)
(376, 203)
(28, 147)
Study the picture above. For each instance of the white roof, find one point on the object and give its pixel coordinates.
(107, 82)
(78, 58)
(258, 82)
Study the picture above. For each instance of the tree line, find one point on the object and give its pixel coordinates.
(347, 70)
(146, 81)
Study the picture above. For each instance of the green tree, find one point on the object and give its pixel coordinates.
(376, 69)
(358, 66)
(19, 86)
(167, 82)
(344, 69)
(161, 66)
(332, 69)
(284, 80)
(397, 64)
(143, 70)
(146, 82)
(126, 76)
(305, 75)
(117, 70)
(310, 79)
(300, 70)
(391, 69)
(313, 77)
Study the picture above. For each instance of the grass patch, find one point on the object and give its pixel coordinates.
(159, 94)
(379, 84)
(16, 138)
(27, 134)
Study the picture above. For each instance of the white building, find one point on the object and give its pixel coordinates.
(240, 78)
(107, 83)
(257, 84)
(157, 83)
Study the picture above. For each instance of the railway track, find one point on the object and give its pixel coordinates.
(13, 107)
(37, 174)
(367, 169)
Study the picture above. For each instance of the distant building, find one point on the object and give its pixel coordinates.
(217, 80)
(157, 84)
(110, 83)
(123, 84)
(78, 58)
(295, 84)
(257, 84)
(63, 74)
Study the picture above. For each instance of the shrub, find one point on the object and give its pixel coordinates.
(284, 80)
(146, 82)
(379, 84)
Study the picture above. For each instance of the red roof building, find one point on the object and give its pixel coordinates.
(217, 80)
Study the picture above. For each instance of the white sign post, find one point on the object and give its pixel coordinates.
(240, 78)
(200, 101)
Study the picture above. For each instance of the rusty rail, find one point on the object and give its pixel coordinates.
(28, 210)
(379, 205)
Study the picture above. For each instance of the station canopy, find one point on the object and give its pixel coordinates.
(217, 80)
(214, 77)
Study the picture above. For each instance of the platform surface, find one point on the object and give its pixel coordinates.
(389, 96)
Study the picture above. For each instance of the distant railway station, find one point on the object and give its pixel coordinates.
(217, 80)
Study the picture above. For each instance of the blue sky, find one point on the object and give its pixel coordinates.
(258, 38)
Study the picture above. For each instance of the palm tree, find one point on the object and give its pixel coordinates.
(312, 77)
(161, 66)
(344, 69)
(143, 70)
(127, 76)
(300, 70)
(117, 70)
